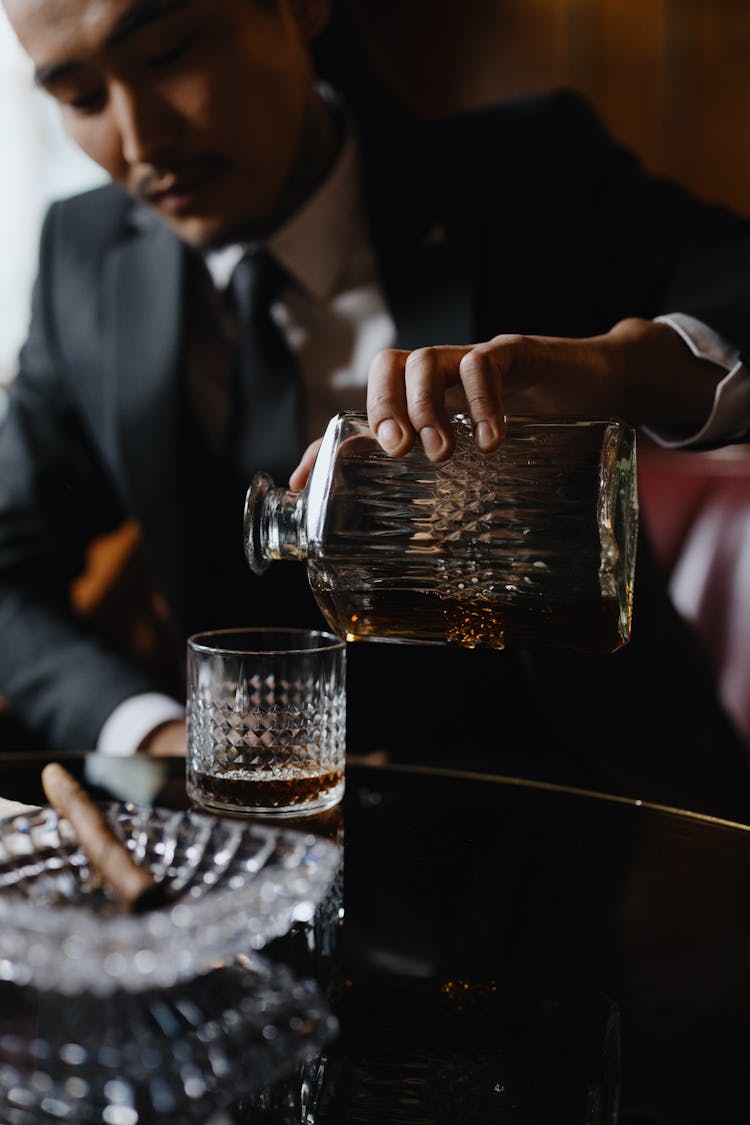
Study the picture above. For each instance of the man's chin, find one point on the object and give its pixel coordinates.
(206, 235)
(200, 232)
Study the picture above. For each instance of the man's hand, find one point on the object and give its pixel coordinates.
(640, 370)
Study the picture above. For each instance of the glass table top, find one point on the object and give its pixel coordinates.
(492, 950)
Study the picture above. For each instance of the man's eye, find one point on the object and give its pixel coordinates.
(172, 53)
(85, 103)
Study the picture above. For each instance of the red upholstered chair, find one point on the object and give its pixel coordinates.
(696, 507)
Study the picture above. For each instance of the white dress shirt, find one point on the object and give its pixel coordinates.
(334, 315)
(332, 312)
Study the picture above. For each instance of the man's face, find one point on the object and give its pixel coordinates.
(204, 109)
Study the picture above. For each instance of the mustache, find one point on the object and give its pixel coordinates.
(156, 180)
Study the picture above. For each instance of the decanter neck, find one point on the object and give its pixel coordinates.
(274, 526)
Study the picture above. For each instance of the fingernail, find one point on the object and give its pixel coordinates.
(485, 435)
(388, 434)
(432, 442)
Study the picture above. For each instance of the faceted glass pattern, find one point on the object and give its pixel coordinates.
(266, 721)
(230, 887)
(531, 546)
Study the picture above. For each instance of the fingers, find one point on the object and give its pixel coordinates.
(387, 411)
(482, 371)
(298, 479)
(410, 396)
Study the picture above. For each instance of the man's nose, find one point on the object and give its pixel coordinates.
(145, 123)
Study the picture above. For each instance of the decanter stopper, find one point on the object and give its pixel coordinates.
(274, 523)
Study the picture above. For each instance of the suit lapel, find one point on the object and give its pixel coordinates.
(142, 302)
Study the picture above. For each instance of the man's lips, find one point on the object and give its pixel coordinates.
(178, 191)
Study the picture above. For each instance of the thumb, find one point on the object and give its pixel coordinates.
(298, 478)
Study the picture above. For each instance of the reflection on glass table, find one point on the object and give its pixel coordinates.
(179, 1054)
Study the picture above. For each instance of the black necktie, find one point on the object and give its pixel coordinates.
(268, 427)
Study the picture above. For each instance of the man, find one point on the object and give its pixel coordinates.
(522, 218)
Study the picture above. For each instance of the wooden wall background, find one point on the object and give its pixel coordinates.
(670, 77)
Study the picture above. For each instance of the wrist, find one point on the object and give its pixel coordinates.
(167, 740)
(659, 381)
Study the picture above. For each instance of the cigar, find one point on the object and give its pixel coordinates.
(134, 886)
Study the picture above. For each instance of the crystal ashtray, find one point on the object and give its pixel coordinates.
(229, 888)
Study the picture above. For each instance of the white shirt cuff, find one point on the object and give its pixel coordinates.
(729, 419)
(127, 726)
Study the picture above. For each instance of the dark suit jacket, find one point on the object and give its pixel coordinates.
(523, 217)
